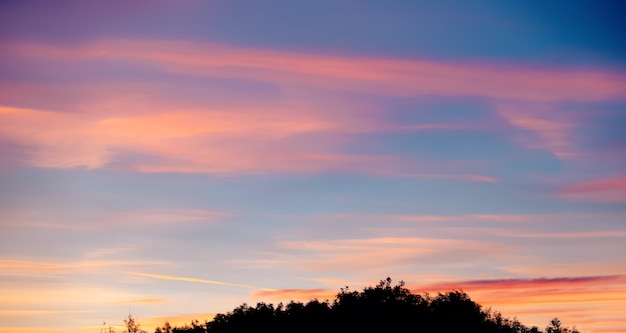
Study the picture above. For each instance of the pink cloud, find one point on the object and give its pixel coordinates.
(471, 219)
(500, 284)
(603, 190)
(542, 128)
(289, 138)
(582, 301)
(466, 177)
(388, 76)
(598, 185)
(268, 138)
(383, 254)
(285, 137)
(186, 141)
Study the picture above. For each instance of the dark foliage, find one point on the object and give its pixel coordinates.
(383, 308)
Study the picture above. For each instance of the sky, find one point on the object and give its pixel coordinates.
(177, 159)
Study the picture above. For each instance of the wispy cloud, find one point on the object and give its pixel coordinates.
(602, 190)
(140, 132)
(138, 301)
(201, 141)
(19, 267)
(101, 220)
(542, 128)
(523, 283)
(385, 254)
(190, 279)
(197, 141)
(32, 329)
(462, 177)
(466, 219)
(520, 233)
(390, 76)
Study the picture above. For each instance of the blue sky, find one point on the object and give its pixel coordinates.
(181, 159)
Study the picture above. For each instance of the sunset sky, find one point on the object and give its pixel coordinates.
(176, 159)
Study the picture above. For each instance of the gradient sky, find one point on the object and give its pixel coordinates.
(180, 158)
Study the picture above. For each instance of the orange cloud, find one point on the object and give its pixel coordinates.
(28, 329)
(44, 297)
(199, 141)
(24, 267)
(299, 295)
(179, 320)
(9, 266)
(586, 302)
(192, 141)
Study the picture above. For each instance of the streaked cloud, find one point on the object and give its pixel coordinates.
(463, 177)
(102, 220)
(587, 301)
(202, 141)
(182, 159)
(542, 128)
(17, 267)
(190, 279)
(520, 233)
(524, 283)
(464, 219)
(286, 135)
(32, 329)
(602, 190)
(380, 255)
(389, 76)
(139, 301)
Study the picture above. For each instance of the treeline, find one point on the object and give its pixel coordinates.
(383, 308)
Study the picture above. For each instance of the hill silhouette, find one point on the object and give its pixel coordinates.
(382, 308)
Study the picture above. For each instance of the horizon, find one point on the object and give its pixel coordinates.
(180, 159)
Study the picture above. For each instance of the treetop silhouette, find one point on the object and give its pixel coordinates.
(382, 308)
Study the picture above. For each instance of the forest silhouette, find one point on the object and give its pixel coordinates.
(382, 308)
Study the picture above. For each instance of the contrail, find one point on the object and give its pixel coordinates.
(196, 280)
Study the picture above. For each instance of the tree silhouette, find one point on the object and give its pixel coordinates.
(556, 326)
(383, 308)
(106, 329)
(132, 326)
(165, 329)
